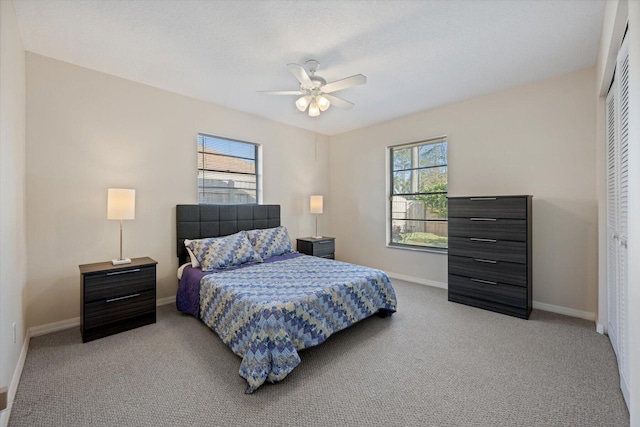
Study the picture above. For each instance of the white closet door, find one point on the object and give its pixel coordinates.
(612, 219)
(617, 215)
(623, 209)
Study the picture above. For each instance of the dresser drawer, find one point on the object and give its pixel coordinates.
(499, 294)
(491, 270)
(492, 228)
(100, 313)
(488, 207)
(493, 249)
(112, 284)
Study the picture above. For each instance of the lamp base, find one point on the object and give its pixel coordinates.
(121, 261)
(317, 237)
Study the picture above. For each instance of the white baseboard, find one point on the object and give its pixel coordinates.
(599, 328)
(13, 387)
(36, 331)
(165, 301)
(48, 328)
(418, 280)
(587, 315)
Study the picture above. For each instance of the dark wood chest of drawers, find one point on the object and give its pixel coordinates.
(116, 298)
(324, 247)
(490, 253)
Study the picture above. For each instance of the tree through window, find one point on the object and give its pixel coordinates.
(418, 201)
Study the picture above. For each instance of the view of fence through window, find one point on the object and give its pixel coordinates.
(226, 171)
(419, 194)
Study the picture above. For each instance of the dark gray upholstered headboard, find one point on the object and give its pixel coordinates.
(199, 221)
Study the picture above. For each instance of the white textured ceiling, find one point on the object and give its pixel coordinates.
(416, 54)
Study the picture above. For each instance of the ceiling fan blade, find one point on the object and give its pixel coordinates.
(345, 83)
(338, 102)
(300, 73)
(281, 92)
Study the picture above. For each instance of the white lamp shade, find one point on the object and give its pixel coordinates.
(323, 103)
(315, 205)
(121, 203)
(314, 111)
(302, 103)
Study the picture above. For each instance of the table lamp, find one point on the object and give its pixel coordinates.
(121, 205)
(315, 207)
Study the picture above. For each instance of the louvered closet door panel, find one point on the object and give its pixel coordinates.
(617, 214)
(623, 208)
(612, 221)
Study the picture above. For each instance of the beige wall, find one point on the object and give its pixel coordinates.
(13, 267)
(536, 139)
(89, 131)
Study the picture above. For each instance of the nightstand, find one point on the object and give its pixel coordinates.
(324, 247)
(116, 298)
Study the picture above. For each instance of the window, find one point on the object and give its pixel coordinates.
(418, 197)
(226, 171)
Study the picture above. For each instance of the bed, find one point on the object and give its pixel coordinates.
(266, 311)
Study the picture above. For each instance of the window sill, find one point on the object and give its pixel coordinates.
(443, 251)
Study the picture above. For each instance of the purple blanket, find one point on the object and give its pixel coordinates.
(188, 296)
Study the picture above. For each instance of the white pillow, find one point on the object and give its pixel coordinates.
(194, 260)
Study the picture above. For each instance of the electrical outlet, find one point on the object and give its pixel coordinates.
(3, 398)
(14, 332)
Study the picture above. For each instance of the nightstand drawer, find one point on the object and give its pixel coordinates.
(491, 228)
(112, 284)
(488, 207)
(100, 313)
(324, 247)
(491, 270)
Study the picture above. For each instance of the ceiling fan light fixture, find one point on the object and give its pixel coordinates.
(302, 103)
(314, 93)
(323, 103)
(314, 110)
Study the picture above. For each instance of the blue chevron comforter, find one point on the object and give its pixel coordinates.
(266, 312)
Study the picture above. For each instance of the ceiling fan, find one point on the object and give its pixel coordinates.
(315, 92)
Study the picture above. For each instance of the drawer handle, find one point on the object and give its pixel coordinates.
(488, 261)
(482, 198)
(123, 272)
(482, 219)
(488, 282)
(126, 297)
(476, 239)
(323, 243)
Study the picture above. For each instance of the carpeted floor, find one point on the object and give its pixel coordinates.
(433, 363)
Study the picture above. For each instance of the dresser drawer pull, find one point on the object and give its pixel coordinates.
(129, 296)
(482, 219)
(323, 243)
(476, 239)
(488, 282)
(113, 273)
(483, 198)
(488, 261)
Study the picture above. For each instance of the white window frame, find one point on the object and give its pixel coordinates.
(257, 171)
(390, 193)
